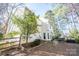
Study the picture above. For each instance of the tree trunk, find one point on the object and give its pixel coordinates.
(27, 39)
(20, 41)
(74, 22)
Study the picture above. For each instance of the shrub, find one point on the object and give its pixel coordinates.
(70, 41)
(56, 37)
(35, 43)
(77, 38)
(1, 36)
(11, 34)
(74, 34)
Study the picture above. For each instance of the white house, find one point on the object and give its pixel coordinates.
(44, 30)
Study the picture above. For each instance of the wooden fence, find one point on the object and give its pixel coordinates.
(8, 42)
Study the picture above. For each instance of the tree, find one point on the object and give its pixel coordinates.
(73, 12)
(73, 20)
(65, 15)
(3, 7)
(59, 17)
(64, 11)
(60, 14)
(6, 11)
(53, 22)
(10, 10)
(27, 24)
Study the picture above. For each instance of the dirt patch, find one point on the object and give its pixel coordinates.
(46, 49)
(43, 53)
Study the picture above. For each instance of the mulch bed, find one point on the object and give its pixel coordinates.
(46, 49)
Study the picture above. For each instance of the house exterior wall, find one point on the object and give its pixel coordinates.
(43, 28)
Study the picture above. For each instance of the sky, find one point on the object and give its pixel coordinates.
(40, 8)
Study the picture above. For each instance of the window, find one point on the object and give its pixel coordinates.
(44, 35)
(48, 35)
